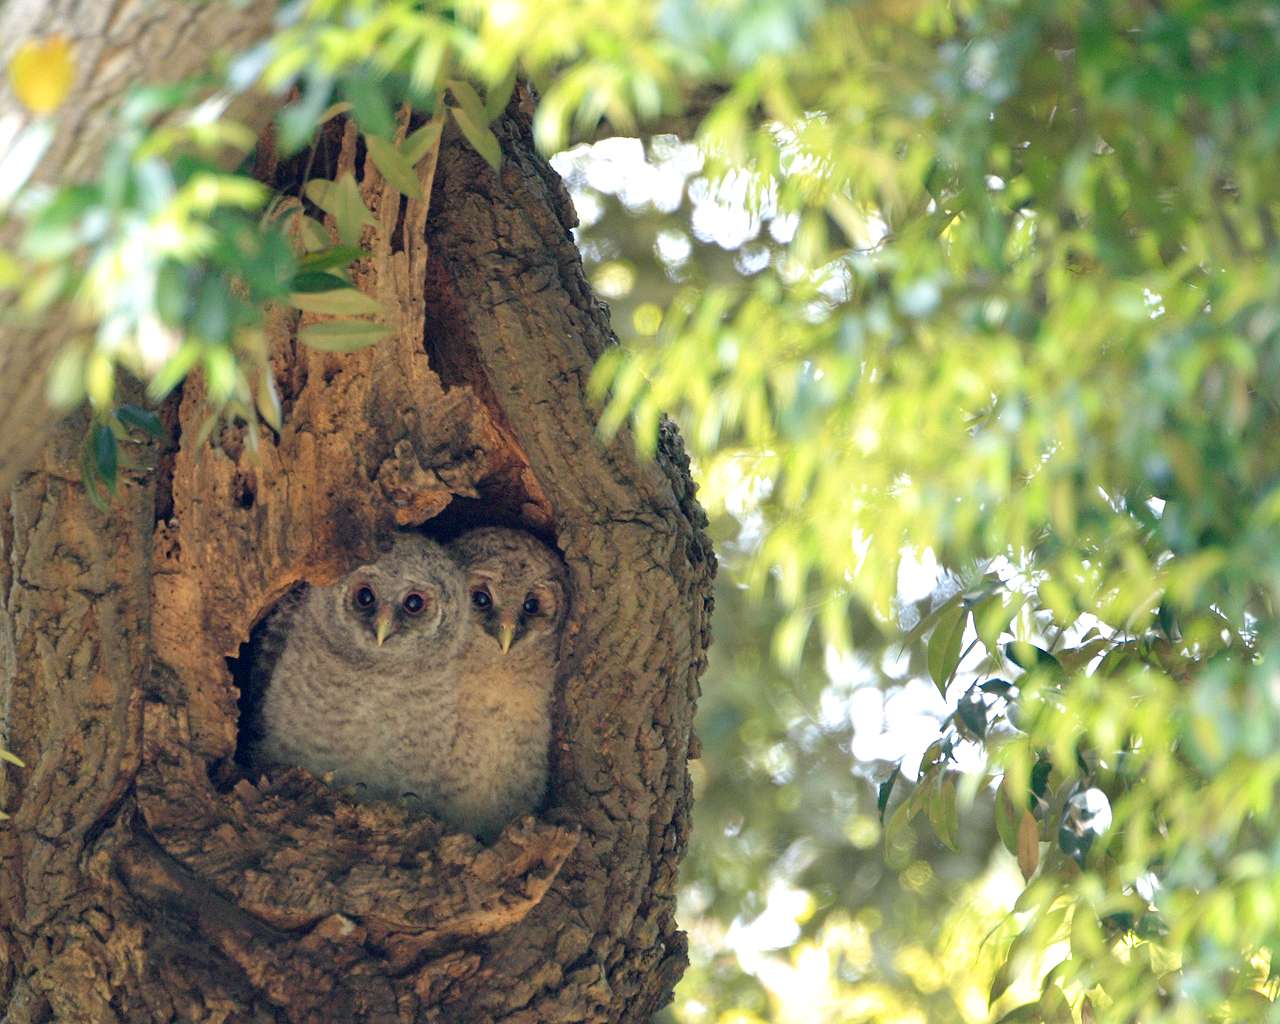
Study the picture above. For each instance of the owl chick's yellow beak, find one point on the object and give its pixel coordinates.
(506, 635)
(383, 621)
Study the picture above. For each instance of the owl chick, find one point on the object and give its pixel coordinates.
(359, 658)
(517, 589)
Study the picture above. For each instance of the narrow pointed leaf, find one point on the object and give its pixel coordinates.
(469, 100)
(339, 302)
(105, 455)
(312, 281)
(314, 235)
(341, 199)
(423, 141)
(134, 417)
(481, 138)
(343, 335)
(331, 257)
(944, 647)
(394, 167)
(885, 790)
(500, 95)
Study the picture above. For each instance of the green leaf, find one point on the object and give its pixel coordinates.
(896, 853)
(134, 417)
(394, 167)
(423, 141)
(314, 235)
(886, 789)
(1001, 981)
(469, 100)
(340, 302)
(328, 258)
(173, 292)
(341, 199)
(790, 637)
(343, 335)
(1054, 1008)
(65, 388)
(221, 373)
(369, 102)
(211, 319)
(1007, 818)
(931, 618)
(89, 475)
(174, 371)
(1028, 656)
(495, 102)
(105, 455)
(942, 811)
(992, 616)
(12, 758)
(428, 62)
(312, 281)
(481, 138)
(944, 647)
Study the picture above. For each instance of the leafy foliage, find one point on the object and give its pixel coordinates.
(1013, 311)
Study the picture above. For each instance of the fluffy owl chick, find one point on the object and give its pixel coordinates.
(361, 657)
(517, 591)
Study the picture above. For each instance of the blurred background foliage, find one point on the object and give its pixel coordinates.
(968, 311)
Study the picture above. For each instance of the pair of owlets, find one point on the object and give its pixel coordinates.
(425, 676)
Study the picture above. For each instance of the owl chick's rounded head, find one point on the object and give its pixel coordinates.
(517, 590)
(406, 605)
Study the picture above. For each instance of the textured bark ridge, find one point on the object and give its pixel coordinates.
(145, 875)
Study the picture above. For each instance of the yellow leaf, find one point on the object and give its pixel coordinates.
(42, 72)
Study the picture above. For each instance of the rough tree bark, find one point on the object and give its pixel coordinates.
(145, 876)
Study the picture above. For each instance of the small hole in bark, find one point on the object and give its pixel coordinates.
(168, 413)
(397, 234)
(244, 489)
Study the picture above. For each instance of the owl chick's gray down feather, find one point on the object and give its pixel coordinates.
(364, 684)
(517, 597)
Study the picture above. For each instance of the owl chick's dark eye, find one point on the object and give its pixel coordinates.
(365, 598)
(413, 603)
(531, 606)
(481, 598)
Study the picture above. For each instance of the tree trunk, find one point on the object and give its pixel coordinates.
(146, 876)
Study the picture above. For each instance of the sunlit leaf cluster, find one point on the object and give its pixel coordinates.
(1015, 311)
